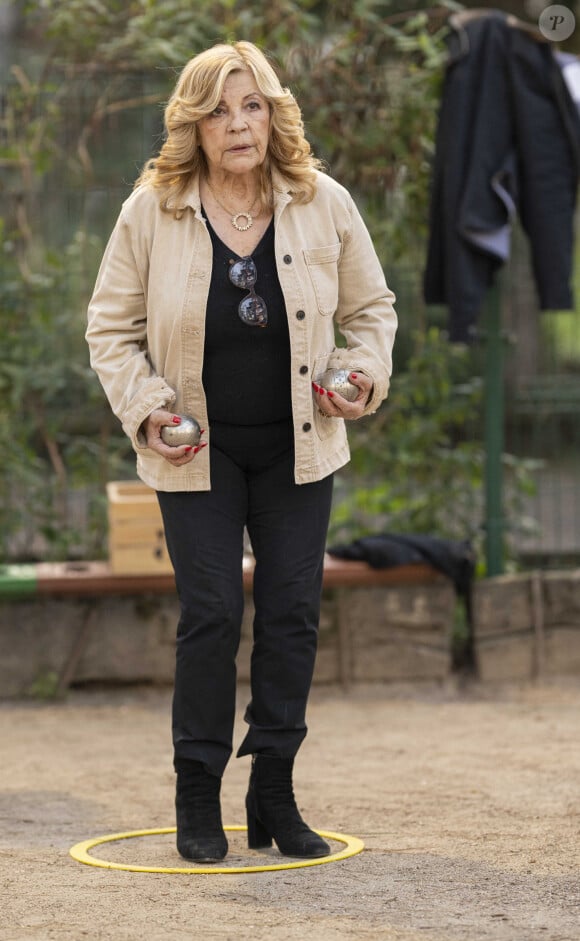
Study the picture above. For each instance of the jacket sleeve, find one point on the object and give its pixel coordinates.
(365, 315)
(117, 334)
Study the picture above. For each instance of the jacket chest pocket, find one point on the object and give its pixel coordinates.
(322, 264)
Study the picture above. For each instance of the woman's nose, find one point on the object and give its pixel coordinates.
(238, 121)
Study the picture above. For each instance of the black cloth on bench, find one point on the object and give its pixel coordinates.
(386, 550)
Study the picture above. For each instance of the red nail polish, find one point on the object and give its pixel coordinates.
(321, 391)
(176, 420)
(330, 395)
(315, 387)
(188, 449)
(354, 375)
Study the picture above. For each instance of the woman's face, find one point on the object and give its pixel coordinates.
(235, 136)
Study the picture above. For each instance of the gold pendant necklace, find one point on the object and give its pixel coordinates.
(245, 214)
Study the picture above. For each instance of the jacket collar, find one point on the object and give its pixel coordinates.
(191, 197)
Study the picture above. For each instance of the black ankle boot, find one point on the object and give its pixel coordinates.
(272, 812)
(200, 834)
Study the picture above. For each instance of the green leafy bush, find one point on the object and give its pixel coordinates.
(77, 123)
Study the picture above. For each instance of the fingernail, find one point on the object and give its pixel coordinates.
(188, 449)
(202, 432)
(315, 387)
(354, 375)
(330, 395)
(321, 391)
(176, 420)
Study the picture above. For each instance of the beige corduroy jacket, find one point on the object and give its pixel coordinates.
(146, 320)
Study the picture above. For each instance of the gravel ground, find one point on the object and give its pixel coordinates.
(467, 799)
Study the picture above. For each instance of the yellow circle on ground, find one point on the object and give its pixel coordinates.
(80, 852)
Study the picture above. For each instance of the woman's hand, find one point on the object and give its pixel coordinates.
(176, 456)
(334, 405)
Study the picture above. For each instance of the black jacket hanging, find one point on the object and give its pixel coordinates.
(508, 140)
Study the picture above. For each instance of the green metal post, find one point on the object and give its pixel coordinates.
(493, 429)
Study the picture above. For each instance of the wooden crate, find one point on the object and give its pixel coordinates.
(136, 538)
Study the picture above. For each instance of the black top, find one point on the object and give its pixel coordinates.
(246, 372)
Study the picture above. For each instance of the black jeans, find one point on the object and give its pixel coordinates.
(252, 476)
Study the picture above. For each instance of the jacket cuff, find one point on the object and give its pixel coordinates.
(345, 359)
(157, 395)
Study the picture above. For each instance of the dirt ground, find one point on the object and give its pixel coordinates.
(468, 801)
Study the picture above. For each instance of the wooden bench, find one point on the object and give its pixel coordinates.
(94, 580)
(97, 578)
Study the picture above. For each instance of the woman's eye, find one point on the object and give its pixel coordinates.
(217, 112)
(254, 105)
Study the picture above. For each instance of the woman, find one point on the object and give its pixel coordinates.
(218, 295)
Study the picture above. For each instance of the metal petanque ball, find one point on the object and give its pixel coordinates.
(336, 380)
(187, 432)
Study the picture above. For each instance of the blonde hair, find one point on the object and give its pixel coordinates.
(198, 91)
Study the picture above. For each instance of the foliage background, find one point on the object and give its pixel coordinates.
(81, 111)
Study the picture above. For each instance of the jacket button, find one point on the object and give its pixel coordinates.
(303, 370)
(300, 315)
(306, 426)
(287, 259)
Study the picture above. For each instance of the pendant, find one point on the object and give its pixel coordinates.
(244, 215)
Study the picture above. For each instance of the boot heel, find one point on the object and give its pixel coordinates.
(258, 836)
(272, 812)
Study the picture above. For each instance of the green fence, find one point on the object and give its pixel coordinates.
(542, 389)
